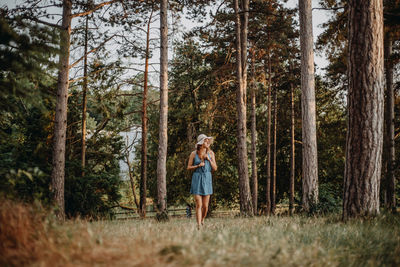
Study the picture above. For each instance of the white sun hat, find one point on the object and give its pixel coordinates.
(202, 137)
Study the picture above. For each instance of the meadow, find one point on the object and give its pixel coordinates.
(36, 239)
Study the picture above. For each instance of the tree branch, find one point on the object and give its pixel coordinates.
(329, 8)
(94, 72)
(129, 94)
(94, 9)
(132, 112)
(91, 51)
(45, 23)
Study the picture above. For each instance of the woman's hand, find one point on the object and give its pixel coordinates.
(190, 165)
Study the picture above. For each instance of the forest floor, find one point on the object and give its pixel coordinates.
(228, 241)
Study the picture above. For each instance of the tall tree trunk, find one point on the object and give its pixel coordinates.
(254, 179)
(268, 187)
(292, 152)
(84, 99)
(309, 136)
(390, 147)
(365, 108)
(143, 173)
(60, 123)
(246, 207)
(273, 196)
(244, 6)
(132, 180)
(163, 127)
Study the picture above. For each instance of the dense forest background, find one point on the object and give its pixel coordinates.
(108, 56)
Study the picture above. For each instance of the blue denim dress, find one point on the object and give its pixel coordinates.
(201, 178)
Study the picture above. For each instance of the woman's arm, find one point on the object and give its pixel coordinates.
(190, 165)
(212, 160)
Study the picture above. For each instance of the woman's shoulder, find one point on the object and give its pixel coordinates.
(193, 153)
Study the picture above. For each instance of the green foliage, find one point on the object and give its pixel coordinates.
(28, 80)
(26, 61)
(94, 194)
(26, 76)
(91, 196)
(25, 154)
(329, 200)
(29, 185)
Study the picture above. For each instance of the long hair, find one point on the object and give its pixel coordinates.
(198, 152)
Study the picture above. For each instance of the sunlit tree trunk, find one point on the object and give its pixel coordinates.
(309, 136)
(268, 187)
(132, 180)
(292, 151)
(273, 191)
(163, 126)
(365, 109)
(60, 123)
(254, 179)
(244, 6)
(143, 173)
(246, 207)
(84, 98)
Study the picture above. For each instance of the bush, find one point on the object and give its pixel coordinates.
(93, 195)
(329, 202)
(28, 185)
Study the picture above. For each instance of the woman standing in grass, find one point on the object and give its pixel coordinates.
(202, 161)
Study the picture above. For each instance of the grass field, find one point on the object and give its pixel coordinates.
(257, 242)
(229, 241)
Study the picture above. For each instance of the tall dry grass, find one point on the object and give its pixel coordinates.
(29, 236)
(22, 234)
(34, 239)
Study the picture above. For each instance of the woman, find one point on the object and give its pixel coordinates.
(202, 161)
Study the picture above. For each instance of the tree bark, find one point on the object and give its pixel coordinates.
(292, 153)
(390, 147)
(273, 196)
(309, 137)
(163, 126)
(132, 180)
(84, 99)
(246, 207)
(268, 187)
(365, 109)
(254, 179)
(60, 123)
(243, 41)
(143, 172)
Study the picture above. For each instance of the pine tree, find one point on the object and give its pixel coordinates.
(365, 108)
(241, 75)
(309, 137)
(163, 126)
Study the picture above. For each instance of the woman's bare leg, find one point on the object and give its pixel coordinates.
(205, 201)
(199, 203)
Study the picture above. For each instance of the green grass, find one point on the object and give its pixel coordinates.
(261, 241)
(31, 237)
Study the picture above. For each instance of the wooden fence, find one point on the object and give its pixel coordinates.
(181, 212)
